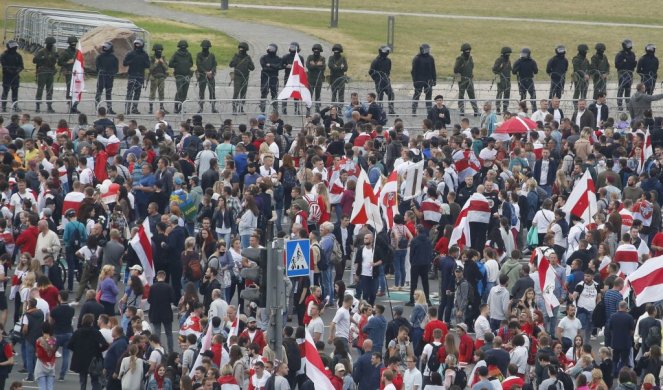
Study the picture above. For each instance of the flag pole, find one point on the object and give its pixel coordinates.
(386, 287)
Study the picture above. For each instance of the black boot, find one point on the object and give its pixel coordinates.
(74, 108)
(49, 108)
(161, 106)
(201, 105)
(134, 109)
(110, 110)
(214, 110)
(37, 110)
(150, 110)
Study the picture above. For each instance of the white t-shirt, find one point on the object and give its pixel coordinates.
(390, 387)
(543, 219)
(108, 336)
(570, 327)
(560, 240)
(43, 306)
(259, 383)
(316, 325)
(155, 356)
(492, 270)
(481, 327)
(428, 351)
(587, 298)
(367, 262)
(86, 176)
(16, 201)
(342, 321)
(412, 378)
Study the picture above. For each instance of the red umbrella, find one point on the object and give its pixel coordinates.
(516, 125)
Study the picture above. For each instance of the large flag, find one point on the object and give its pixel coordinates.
(206, 345)
(142, 244)
(233, 331)
(388, 199)
(297, 85)
(476, 209)
(582, 200)
(627, 220)
(365, 207)
(73, 201)
(414, 178)
(466, 163)
(627, 256)
(336, 189)
(647, 281)
(78, 76)
(646, 152)
(546, 279)
(315, 370)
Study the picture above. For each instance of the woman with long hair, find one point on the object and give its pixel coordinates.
(223, 219)
(287, 176)
(133, 294)
(87, 343)
(340, 352)
(131, 369)
(558, 352)
(339, 292)
(561, 185)
(187, 301)
(159, 380)
(239, 366)
(597, 382)
(108, 289)
(650, 363)
(22, 268)
(560, 229)
(46, 346)
(528, 301)
(575, 352)
(187, 256)
(207, 244)
(324, 203)
(400, 239)
(174, 368)
(235, 252)
(417, 319)
(248, 220)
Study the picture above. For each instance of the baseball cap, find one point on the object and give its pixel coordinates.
(250, 320)
(459, 269)
(136, 268)
(339, 367)
(462, 326)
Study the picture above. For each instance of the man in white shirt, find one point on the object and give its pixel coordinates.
(340, 326)
(16, 200)
(48, 242)
(482, 325)
(267, 169)
(273, 147)
(555, 111)
(540, 114)
(103, 322)
(569, 327)
(585, 295)
(489, 153)
(218, 307)
(316, 327)
(157, 354)
(85, 175)
(412, 379)
(41, 303)
(259, 378)
(427, 352)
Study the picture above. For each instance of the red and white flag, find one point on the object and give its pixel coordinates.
(466, 163)
(365, 207)
(647, 281)
(72, 200)
(315, 370)
(582, 200)
(476, 209)
(78, 76)
(389, 199)
(228, 382)
(109, 191)
(646, 152)
(627, 256)
(336, 191)
(627, 220)
(233, 331)
(206, 346)
(142, 244)
(545, 280)
(603, 267)
(538, 150)
(192, 326)
(297, 85)
(643, 211)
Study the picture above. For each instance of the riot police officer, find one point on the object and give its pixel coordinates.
(158, 74)
(45, 59)
(338, 65)
(464, 71)
(269, 76)
(525, 68)
(242, 65)
(580, 74)
(12, 66)
(380, 71)
(66, 61)
(136, 61)
(599, 68)
(107, 67)
(502, 72)
(556, 69)
(181, 62)
(315, 65)
(205, 72)
(625, 64)
(424, 77)
(648, 68)
(286, 64)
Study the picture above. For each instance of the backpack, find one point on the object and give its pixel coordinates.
(75, 238)
(598, 315)
(461, 378)
(323, 262)
(514, 216)
(289, 178)
(193, 147)
(654, 335)
(94, 258)
(382, 116)
(336, 255)
(194, 270)
(553, 386)
(402, 242)
(433, 360)
(314, 211)
(565, 379)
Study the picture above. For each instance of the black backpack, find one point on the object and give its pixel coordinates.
(553, 386)
(75, 239)
(461, 378)
(433, 360)
(654, 335)
(565, 379)
(382, 116)
(194, 146)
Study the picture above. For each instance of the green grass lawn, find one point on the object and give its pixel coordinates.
(361, 35)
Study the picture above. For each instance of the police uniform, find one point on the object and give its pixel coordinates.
(158, 74)
(424, 77)
(315, 65)
(525, 68)
(464, 67)
(580, 74)
(599, 68)
(136, 61)
(205, 72)
(12, 66)
(286, 64)
(66, 62)
(45, 59)
(269, 76)
(338, 65)
(625, 64)
(181, 62)
(380, 71)
(242, 65)
(556, 69)
(107, 67)
(502, 71)
(648, 68)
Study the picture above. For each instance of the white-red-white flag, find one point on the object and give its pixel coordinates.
(78, 76)
(647, 281)
(627, 256)
(475, 209)
(388, 199)
(142, 244)
(466, 163)
(297, 85)
(545, 280)
(72, 200)
(109, 191)
(646, 152)
(365, 207)
(627, 220)
(233, 331)
(205, 346)
(336, 189)
(315, 370)
(582, 200)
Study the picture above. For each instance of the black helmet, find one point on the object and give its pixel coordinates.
(12, 44)
(385, 49)
(525, 52)
(50, 41)
(424, 48)
(107, 46)
(294, 47)
(205, 44)
(272, 48)
(243, 45)
(139, 42)
(338, 47)
(650, 47)
(600, 47)
(560, 49)
(72, 39)
(506, 50)
(182, 44)
(465, 47)
(627, 44)
(583, 48)
(317, 47)
(157, 47)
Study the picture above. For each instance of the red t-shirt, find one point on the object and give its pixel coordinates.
(397, 381)
(658, 241)
(9, 351)
(431, 326)
(512, 381)
(50, 294)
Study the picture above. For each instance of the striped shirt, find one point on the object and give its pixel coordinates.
(611, 300)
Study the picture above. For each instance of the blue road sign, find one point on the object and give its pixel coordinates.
(298, 258)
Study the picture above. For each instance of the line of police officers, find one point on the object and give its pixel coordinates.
(424, 75)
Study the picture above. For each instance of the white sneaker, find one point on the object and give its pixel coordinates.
(58, 354)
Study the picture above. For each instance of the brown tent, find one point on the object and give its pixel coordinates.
(121, 38)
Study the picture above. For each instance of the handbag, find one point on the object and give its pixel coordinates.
(96, 367)
(532, 237)
(16, 334)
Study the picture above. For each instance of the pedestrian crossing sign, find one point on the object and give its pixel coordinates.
(298, 258)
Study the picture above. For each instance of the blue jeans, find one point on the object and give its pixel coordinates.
(190, 227)
(327, 287)
(399, 267)
(244, 239)
(277, 224)
(72, 265)
(550, 323)
(46, 382)
(486, 291)
(28, 351)
(382, 281)
(338, 210)
(369, 286)
(585, 318)
(62, 341)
